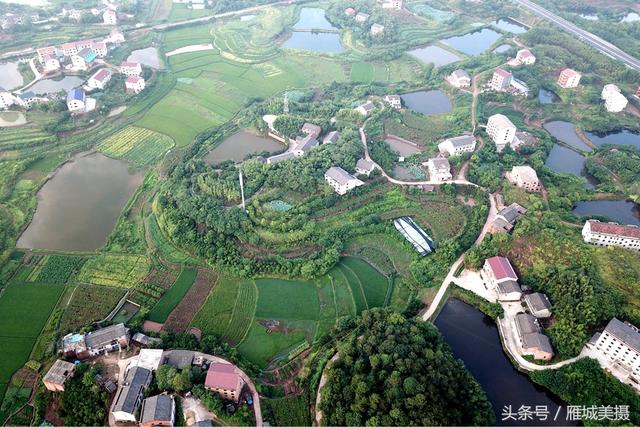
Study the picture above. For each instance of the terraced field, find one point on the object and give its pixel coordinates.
(138, 145)
(123, 271)
(243, 312)
(12, 139)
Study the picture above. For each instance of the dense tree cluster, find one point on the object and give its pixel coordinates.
(623, 161)
(84, 402)
(400, 372)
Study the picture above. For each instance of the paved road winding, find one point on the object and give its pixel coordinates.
(598, 43)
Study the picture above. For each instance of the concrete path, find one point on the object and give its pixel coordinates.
(323, 381)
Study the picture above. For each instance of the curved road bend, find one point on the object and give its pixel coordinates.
(594, 41)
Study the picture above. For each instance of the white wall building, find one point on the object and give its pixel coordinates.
(460, 79)
(458, 145)
(524, 177)
(617, 348)
(501, 80)
(392, 4)
(99, 79)
(614, 100)
(110, 17)
(569, 78)
(134, 84)
(501, 130)
(376, 29)
(366, 108)
(525, 57)
(341, 180)
(130, 68)
(364, 167)
(439, 169)
(51, 64)
(611, 234)
(395, 101)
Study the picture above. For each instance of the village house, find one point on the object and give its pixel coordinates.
(366, 108)
(538, 305)
(100, 49)
(506, 218)
(144, 340)
(110, 17)
(376, 29)
(439, 169)
(362, 17)
(130, 68)
(614, 100)
(525, 57)
(611, 234)
(350, 11)
(27, 99)
(51, 64)
(74, 15)
(532, 340)
(45, 52)
(158, 410)
(518, 87)
(331, 137)
(69, 49)
(391, 4)
(395, 101)
(414, 234)
(460, 79)
(287, 155)
(115, 37)
(196, 4)
(501, 130)
(311, 130)
(57, 375)
(179, 359)
(6, 98)
(569, 78)
(224, 379)
(617, 349)
(498, 273)
(99, 79)
(304, 145)
(108, 339)
(458, 145)
(524, 177)
(83, 58)
(76, 100)
(134, 84)
(130, 394)
(365, 167)
(340, 180)
(501, 80)
(522, 139)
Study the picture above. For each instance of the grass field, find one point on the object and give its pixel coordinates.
(269, 317)
(59, 268)
(172, 297)
(25, 309)
(362, 72)
(124, 271)
(138, 145)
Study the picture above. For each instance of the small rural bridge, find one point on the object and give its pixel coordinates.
(317, 30)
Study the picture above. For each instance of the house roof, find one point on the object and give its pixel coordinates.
(157, 408)
(502, 72)
(307, 143)
(525, 53)
(625, 332)
(75, 94)
(461, 74)
(537, 302)
(527, 173)
(395, 98)
(339, 175)
(377, 27)
(135, 382)
(59, 372)
(280, 157)
(368, 106)
(128, 64)
(223, 375)
(614, 229)
(101, 74)
(440, 164)
(569, 72)
(365, 164)
(508, 286)
(363, 15)
(512, 212)
(133, 80)
(462, 141)
(179, 358)
(331, 137)
(502, 121)
(527, 324)
(311, 129)
(108, 334)
(501, 268)
(538, 341)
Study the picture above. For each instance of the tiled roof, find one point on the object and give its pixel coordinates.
(502, 72)
(538, 341)
(462, 141)
(501, 268)
(614, 229)
(339, 175)
(76, 94)
(222, 375)
(625, 333)
(537, 301)
(157, 408)
(108, 334)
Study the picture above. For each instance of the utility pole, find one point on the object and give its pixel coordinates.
(286, 102)
(244, 208)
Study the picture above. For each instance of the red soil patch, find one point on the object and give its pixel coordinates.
(151, 326)
(181, 316)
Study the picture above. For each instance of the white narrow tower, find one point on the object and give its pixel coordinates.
(286, 102)
(244, 208)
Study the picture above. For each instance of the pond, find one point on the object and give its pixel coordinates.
(502, 48)
(435, 55)
(79, 206)
(473, 338)
(547, 96)
(510, 26)
(238, 146)
(565, 160)
(147, 56)
(318, 42)
(622, 211)
(313, 18)
(49, 86)
(404, 149)
(427, 102)
(621, 137)
(475, 42)
(566, 132)
(631, 17)
(10, 77)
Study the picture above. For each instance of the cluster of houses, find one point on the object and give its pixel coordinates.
(362, 17)
(109, 14)
(499, 275)
(129, 403)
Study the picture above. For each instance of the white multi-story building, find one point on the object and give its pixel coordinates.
(130, 68)
(439, 169)
(110, 17)
(611, 234)
(134, 84)
(365, 167)
(45, 52)
(51, 64)
(501, 80)
(341, 180)
(392, 4)
(614, 100)
(617, 348)
(501, 130)
(524, 177)
(99, 79)
(499, 275)
(460, 79)
(100, 48)
(395, 101)
(569, 78)
(376, 29)
(525, 57)
(362, 17)
(366, 108)
(76, 100)
(458, 145)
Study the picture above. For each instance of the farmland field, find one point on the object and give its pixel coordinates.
(116, 270)
(284, 299)
(243, 312)
(173, 296)
(58, 268)
(374, 284)
(138, 145)
(215, 315)
(87, 305)
(362, 72)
